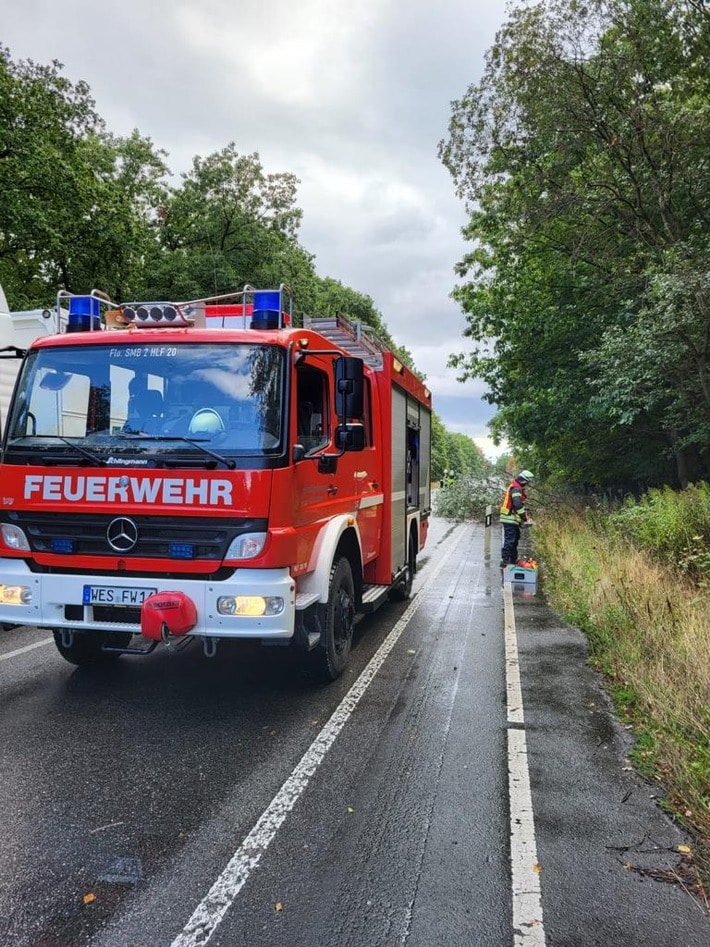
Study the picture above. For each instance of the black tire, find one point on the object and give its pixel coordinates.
(336, 620)
(85, 648)
(403, 590)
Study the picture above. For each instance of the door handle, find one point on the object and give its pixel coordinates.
(331, 491)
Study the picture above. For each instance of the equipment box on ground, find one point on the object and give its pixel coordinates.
(522, 574)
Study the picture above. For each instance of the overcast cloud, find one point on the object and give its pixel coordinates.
(352, 98)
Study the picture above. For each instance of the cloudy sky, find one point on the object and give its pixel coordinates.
(352, 97)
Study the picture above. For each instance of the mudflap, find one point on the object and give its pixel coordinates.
(309, 626)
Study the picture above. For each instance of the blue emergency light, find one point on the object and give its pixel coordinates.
(83, 314)
(181, 550)
(63, 545)
(267, 311)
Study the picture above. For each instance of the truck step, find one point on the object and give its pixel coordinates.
(373, 596)
(305, 599)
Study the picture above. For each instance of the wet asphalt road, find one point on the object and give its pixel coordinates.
(127, 790)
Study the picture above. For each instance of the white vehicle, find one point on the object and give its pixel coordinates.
(18, 330)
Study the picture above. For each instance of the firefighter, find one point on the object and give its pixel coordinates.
(512, 515)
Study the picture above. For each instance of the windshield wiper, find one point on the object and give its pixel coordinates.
(228, 463)
(95, 459)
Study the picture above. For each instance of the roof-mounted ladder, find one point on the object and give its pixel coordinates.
(352, 337)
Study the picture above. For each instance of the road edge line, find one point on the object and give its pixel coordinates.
(528, 929)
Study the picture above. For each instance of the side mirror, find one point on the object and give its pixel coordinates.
(298, 453)
(349, 387)
(351, 437)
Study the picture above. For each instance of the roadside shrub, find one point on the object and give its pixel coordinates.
(673, 527)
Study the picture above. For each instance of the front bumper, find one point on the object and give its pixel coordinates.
(57, 602)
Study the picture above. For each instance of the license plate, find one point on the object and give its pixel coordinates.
(115, 595)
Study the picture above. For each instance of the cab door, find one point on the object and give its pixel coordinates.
(368, 477)
(312, 425)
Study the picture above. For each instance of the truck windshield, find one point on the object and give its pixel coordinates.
(151, 398)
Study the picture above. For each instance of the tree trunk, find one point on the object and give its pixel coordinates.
(681, 463)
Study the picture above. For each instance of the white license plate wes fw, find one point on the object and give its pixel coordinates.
(115, 595)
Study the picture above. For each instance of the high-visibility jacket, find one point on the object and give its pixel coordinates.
(512, 507)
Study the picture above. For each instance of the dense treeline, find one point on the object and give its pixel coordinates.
(582, 155)
(83, 208)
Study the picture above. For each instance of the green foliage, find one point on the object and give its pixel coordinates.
(229, 223)
(503, 465)
(466, 498)
(464, 458)
(77, 203)
(657, 364)
(439, 448)
(672, 526)
(108, 246)
(582, 158)
(454, 455)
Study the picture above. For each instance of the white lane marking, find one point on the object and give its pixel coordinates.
(514, 694)
(29, 647)
(528, 930)
(210, 911)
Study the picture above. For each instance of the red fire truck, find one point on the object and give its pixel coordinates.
(207, 470)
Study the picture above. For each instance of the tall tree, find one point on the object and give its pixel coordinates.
(43, 120)
(225, 225)
(582, 155)
(76, 203)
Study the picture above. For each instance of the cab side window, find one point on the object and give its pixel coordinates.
(313, 416)
(367, 418)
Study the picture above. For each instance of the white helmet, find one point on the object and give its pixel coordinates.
(525, 476)
(206, 421)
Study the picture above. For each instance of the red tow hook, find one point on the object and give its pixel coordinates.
(167, 613)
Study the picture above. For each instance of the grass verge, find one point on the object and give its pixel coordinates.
(648, 629)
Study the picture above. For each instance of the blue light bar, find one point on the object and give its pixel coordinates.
(63, 545)
(181, 551)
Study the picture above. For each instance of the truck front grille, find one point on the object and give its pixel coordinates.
(157, 535)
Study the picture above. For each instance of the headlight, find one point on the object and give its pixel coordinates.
(14, 537)
(15, 595)
(252, 606)
(246, 546)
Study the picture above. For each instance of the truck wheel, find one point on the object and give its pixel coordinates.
(402, 591)
(85, 649)
(337, 620)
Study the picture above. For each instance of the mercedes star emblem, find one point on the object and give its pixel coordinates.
(122, 534)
